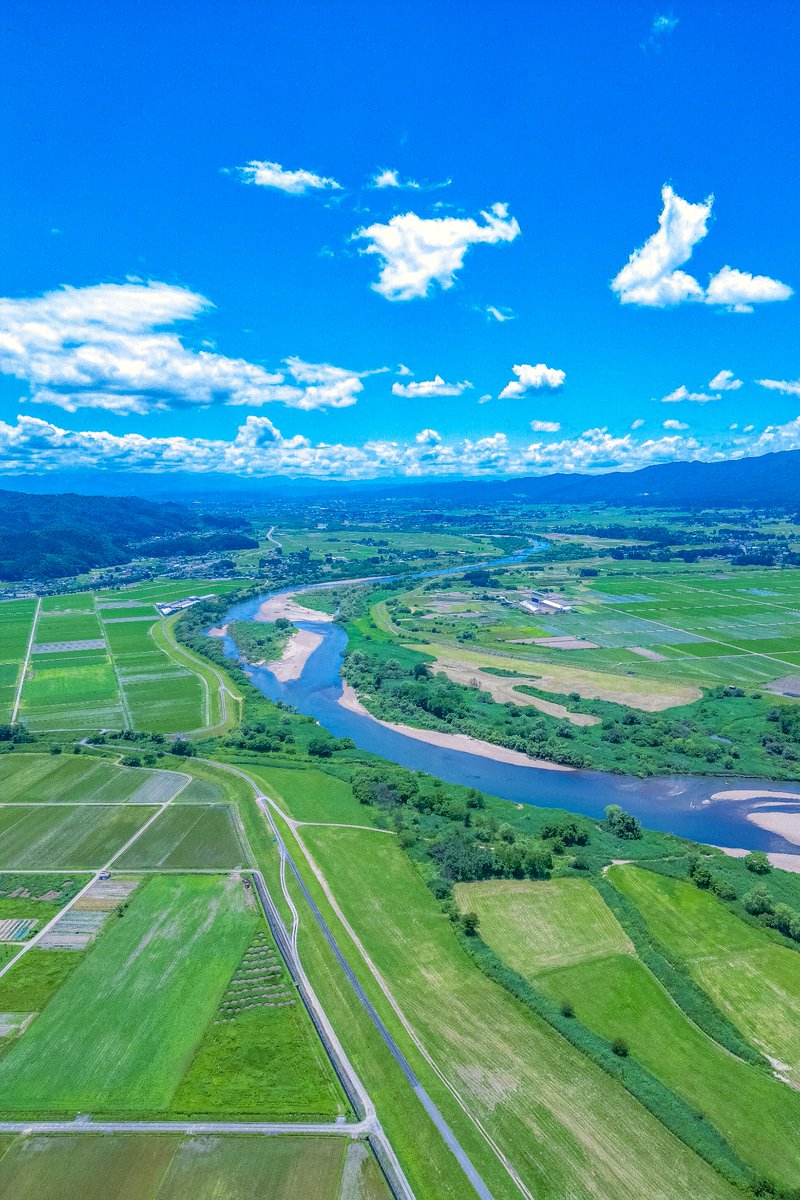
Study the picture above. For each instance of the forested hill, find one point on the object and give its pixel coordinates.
(767, 481)
(47, 537)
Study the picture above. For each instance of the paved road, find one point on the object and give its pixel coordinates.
(425, 1099)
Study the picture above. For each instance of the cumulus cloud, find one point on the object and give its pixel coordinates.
(545, 426)
(724, 381)
(683, 393)
(789, 387)
(530, 379)
(430, 388)
(671, 423)
(417, 252)
(652, 277)
(104, 347)
(500, 314)
(259, 449)
(738, 291)
(295, 183)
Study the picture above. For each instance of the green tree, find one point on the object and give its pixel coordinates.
(622, 823)
(757, 862)
(469, 923)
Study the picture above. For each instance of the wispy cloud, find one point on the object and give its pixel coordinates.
(532, 378)
(499, 314)
(430, 388)
(652, 277)
(388, 177)
(545, 426)
(788, 387)
(417, 252)
(273, 175)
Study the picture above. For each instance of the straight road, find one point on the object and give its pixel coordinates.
(422, 1095)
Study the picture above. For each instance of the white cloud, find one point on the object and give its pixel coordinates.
(638, 423)
(663, 24)
(671, 423)
(402, 369)
(738, 291)
(683, 393)
(787, 386)
(259, 450)
(103, 347)
(651, 278)
(545, 426)
(273, 175)
(416, 252)
(388, 177)
(724, 381)
(500, 314)
(485, 398)
(430, 388)
(530, 378)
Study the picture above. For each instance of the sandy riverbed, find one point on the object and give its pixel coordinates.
(752, 794)
(786, 862)
(286, 606)
(451, 741)
(787, 825)
(298, 649)
(219, 631)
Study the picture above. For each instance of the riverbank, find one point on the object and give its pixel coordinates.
(449, 741)
(296, 653)
(754, 794)
(785, 824)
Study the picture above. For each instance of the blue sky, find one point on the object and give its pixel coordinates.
(252, 319)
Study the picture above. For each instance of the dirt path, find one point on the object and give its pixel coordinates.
(26, 663)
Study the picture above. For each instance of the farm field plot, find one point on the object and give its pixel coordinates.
(66, 838)
(67, 627)
(311, 795)
(82, 779)
(753, 980)
(150, 1166)
(16, 620)
(119, 1034)
(548, 1107)
(191, 835)
(562, 937)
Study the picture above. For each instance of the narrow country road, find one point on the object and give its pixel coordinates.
(425, 1099)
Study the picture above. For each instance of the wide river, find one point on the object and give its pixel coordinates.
(679, 804)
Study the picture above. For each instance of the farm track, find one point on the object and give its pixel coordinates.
(26, 663)
(273, 1128)
(267, 804)
(224, 691)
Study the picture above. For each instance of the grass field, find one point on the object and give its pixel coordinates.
(562, 937)
(79, 837)
(312, 795)
(186, 836)
(81, 779)
(121, 1031)
(753, 980)
(142, 1166)
(16, 619)
(568, 1129)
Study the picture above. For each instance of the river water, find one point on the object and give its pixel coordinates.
(675, 804)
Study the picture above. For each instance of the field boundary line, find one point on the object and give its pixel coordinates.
(86, 1124)
(95, 876)
(26, 663)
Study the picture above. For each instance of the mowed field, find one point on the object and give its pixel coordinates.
(649, 637)
(66, 837)
(81, 779)
(562, 937)
(141, 1166)
(754, 981)
(109, 661)
(568, 1128)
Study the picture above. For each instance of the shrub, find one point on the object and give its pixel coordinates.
(758, 901)
(757, 862)
(469, 923)
(622, 823)
(620, 1047)
(566, 1008)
